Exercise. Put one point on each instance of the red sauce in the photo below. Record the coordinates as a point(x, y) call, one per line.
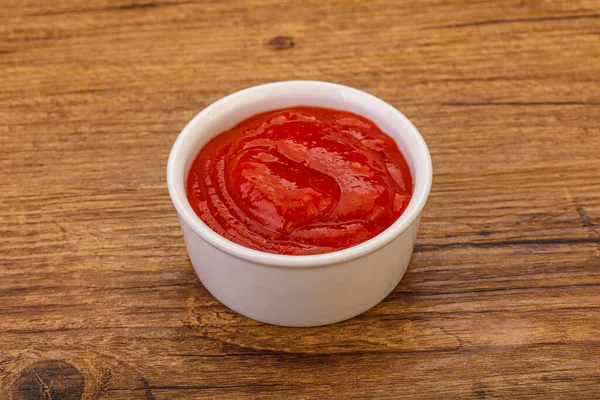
point(301, 180)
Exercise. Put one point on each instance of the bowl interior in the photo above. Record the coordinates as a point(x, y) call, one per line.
point(227, 112)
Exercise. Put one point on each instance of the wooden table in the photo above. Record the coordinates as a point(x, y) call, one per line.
point(98, 298)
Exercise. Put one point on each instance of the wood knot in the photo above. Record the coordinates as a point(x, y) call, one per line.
point(281, 43)
point(49, 379)
point(479, 391)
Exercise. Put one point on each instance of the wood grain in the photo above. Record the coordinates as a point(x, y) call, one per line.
point(98, 299)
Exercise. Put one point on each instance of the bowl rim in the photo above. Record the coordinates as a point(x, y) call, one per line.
point(176, 185)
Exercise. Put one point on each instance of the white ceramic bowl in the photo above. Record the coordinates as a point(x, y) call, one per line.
point(299, 290)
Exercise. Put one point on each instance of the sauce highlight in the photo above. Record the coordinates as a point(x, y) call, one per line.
point(299, 181)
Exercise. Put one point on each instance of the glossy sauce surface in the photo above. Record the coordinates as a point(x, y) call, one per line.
point(301, 180)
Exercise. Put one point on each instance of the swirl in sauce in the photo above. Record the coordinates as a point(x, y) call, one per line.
point(301, 180)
